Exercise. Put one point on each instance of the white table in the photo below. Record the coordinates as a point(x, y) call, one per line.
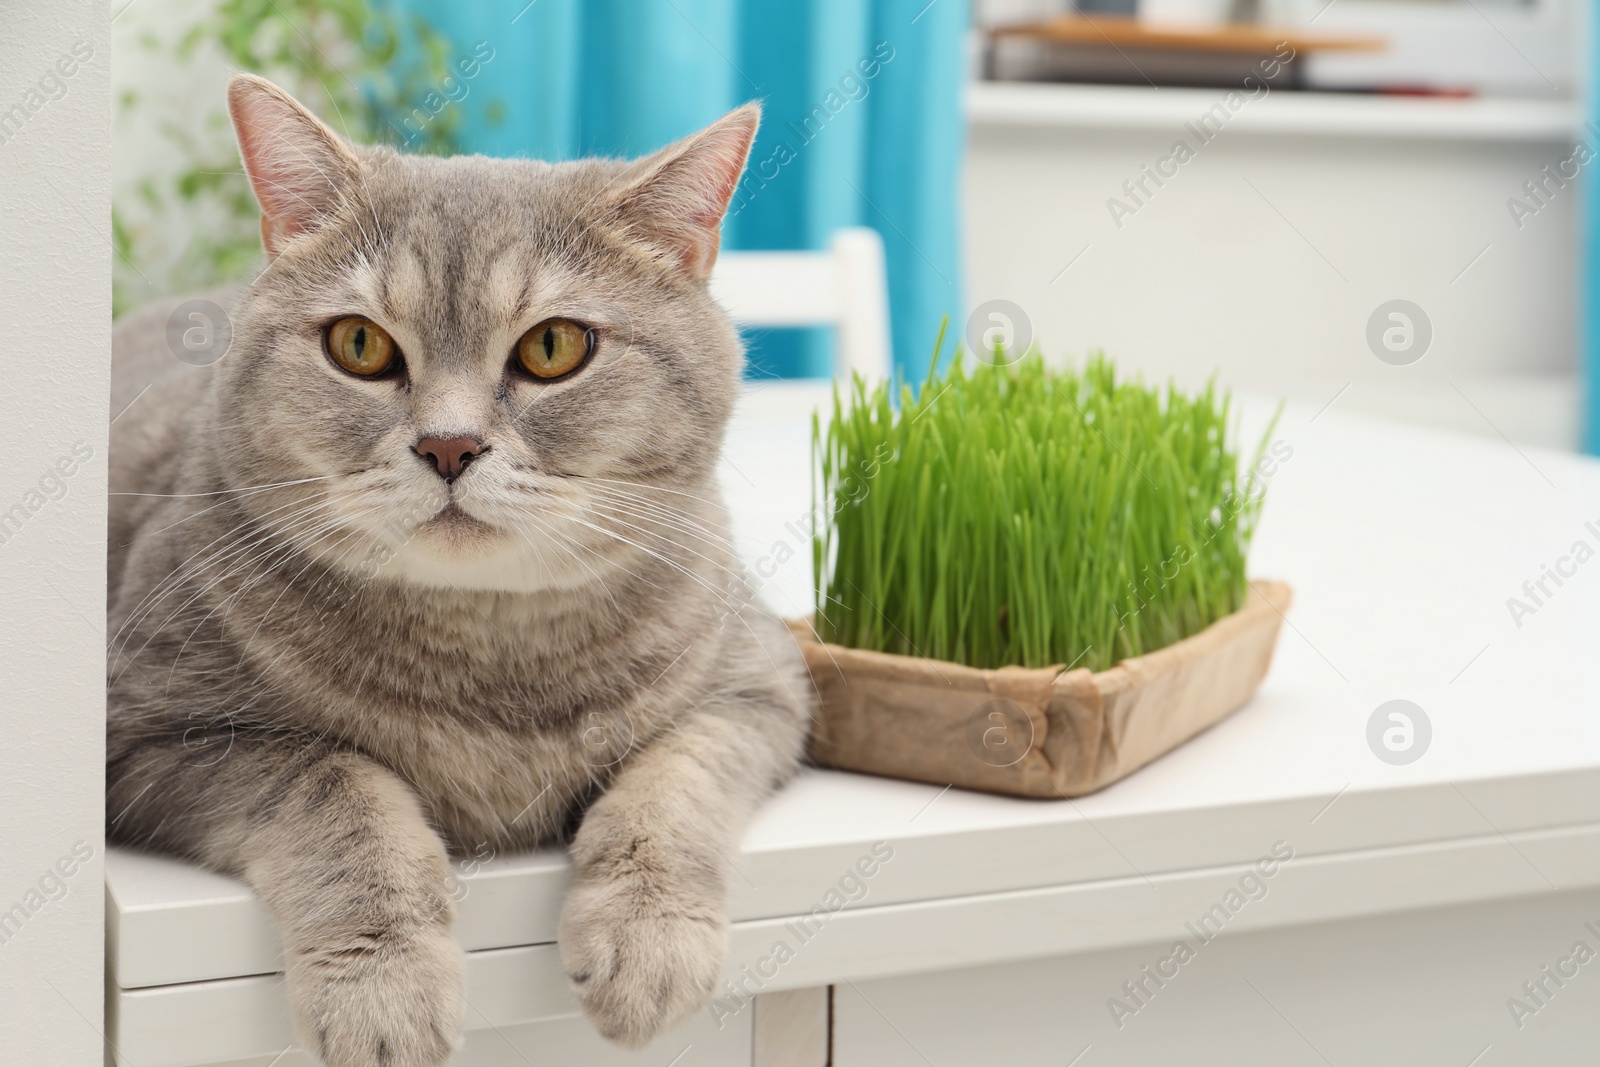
point(1419, 898)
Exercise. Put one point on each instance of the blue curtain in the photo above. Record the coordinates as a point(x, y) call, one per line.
point(862, 122)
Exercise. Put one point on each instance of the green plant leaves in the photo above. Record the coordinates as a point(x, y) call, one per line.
point(1016, 514)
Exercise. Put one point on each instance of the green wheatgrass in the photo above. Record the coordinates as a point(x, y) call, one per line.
point(1020, 514)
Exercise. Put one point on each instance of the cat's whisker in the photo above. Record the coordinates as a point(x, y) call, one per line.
point(198, 559)
point(264, 565)
point(722, 595)
point(263, 517)
point(677, 517)
point(230, 495)
point(286, 587)
point(593, 506)
point(579, 548)
point(221, 503)
point(572, 546)
point(638, 506)
point(247, 489)
point(656, 489)
point(706, 536)
point(642, 531)
point(131, 658)
point(241, 554)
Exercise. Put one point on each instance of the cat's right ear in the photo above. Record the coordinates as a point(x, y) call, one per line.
point(301, 171)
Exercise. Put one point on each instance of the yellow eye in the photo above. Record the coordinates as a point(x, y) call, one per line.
point(554, 347)
point(361, 346)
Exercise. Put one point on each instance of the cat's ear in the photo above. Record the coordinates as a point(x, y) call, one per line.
point(301, 170)
point(676, 201)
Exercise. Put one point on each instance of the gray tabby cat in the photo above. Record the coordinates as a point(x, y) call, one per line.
point(433, 559)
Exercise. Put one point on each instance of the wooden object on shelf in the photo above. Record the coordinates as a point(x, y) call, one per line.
point(1116, 49)
point(1239, 39)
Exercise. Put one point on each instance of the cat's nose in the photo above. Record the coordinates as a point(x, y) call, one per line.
point(449, 455)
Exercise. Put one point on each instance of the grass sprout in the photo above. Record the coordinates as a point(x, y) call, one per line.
point(1013, 513)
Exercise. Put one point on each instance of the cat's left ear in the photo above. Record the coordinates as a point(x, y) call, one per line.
point(677, 200)
point(301, 171)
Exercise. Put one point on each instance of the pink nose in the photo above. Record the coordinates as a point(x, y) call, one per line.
point(450, 455)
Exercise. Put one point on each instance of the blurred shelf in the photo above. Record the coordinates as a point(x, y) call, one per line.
point(1115, 107)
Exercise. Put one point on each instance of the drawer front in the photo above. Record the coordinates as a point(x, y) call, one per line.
point(517, 1001)
point(1422, 987)
point(569, 1040)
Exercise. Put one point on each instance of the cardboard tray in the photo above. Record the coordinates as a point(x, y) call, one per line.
point(1040, 732)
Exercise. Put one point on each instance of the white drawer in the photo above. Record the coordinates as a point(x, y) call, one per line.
point(571, 1040)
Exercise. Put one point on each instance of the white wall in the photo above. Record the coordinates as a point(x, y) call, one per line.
point(1264, 257)
point(55, 346)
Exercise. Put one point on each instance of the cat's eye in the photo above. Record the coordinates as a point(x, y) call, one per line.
point(361, 346)
point(554, 347)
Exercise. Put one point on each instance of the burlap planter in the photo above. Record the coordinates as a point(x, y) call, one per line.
point(1035, 732)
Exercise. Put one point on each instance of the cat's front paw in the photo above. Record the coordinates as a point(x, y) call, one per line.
point(639, 959)
point(380, 1005)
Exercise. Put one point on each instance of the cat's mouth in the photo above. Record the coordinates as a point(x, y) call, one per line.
point(451, 519)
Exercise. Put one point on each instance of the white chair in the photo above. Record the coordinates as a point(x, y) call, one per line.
point(844, 287)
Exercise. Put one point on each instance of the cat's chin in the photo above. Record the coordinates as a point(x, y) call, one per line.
point(506, 573)
point(457, 550)
point(456, 536)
